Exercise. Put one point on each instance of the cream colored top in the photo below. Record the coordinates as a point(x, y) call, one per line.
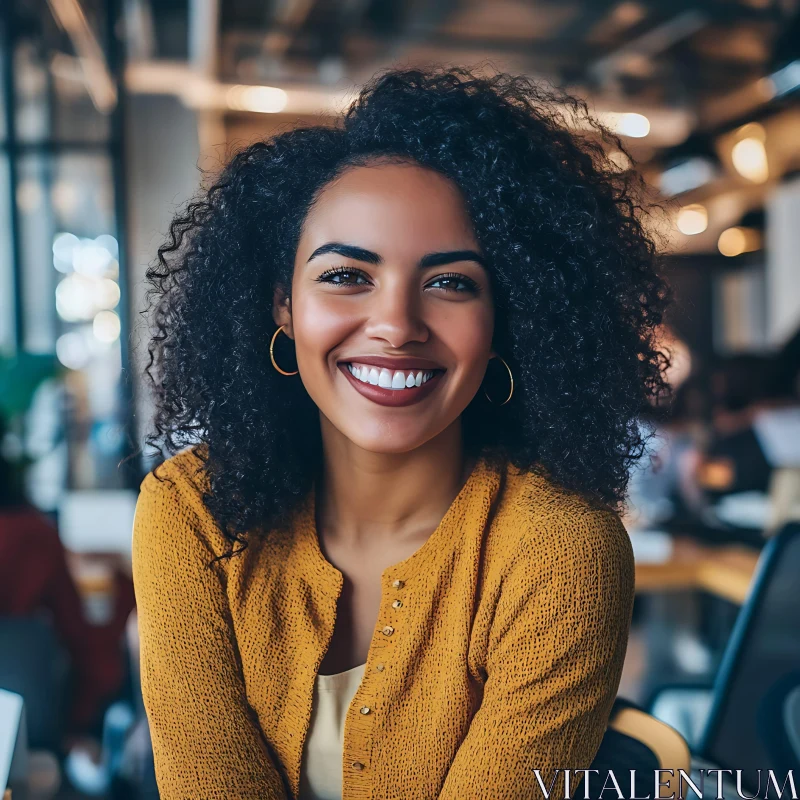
point(321, 774)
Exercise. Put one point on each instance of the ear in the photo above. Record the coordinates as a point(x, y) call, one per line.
point(282, 310)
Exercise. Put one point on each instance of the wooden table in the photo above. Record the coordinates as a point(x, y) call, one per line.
point(725, 571)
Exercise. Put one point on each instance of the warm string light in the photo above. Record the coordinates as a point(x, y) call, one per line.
point(635, 126)
point(749, 155)
point(259, 99)
point(692, 219)
point(735, 241)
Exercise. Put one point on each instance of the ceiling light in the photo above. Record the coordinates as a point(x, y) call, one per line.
point(735, 241)
point(261, 99)
point(749, 156)
point(750, 159)
point(636, 126)
point(692, 219)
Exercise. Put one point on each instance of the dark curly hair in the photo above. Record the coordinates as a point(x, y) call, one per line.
point(573, 272)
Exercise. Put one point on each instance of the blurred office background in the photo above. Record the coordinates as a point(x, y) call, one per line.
point(113, 112)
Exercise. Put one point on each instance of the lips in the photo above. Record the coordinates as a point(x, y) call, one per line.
point(392, 382)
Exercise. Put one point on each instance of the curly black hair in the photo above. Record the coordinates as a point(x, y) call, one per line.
point(574, 275)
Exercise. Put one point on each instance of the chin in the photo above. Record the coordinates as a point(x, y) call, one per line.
point(387, 445)
point(384, 437)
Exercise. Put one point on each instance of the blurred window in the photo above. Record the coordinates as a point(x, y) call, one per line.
point(59, 251)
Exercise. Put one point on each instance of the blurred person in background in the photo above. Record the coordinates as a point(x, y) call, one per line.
point(425, 510)
point(35, 579)
point(734, 460)
point(754, 452)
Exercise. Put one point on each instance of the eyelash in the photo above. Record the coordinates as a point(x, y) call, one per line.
point(326, 276)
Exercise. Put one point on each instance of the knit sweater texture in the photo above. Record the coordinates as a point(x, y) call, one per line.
point(504, 656)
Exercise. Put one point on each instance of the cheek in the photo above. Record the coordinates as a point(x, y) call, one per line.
point(320, 323)
point(467, 334)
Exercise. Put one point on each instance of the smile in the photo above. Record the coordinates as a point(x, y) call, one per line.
point(387, 379)
point(390, 387)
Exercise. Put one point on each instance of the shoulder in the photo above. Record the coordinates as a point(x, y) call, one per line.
point(552, 531)
point(178, 479)
point(170, 510)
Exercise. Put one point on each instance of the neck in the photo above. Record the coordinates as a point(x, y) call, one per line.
point(364, 496)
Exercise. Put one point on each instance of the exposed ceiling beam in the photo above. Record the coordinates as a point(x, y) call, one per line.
point(97, 77)
point(590, 14)
point(668, 127)
point(655, 41)
point(284, 27)
point(549, 47)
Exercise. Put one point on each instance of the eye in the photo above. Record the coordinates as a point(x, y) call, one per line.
point(454, 282)
point(343, 276)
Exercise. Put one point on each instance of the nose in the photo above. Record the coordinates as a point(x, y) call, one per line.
point(396, 316)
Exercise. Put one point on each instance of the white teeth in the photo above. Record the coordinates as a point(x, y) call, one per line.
point(389, 380)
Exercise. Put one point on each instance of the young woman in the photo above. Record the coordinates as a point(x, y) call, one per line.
point(408, 351)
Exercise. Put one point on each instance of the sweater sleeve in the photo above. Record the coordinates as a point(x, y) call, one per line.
point(206, 743)
point(554, 661)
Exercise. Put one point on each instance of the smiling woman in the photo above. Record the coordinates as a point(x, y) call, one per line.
point(407, 354)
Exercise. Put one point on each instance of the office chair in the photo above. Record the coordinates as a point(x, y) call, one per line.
point(635, 740)
point(779, 722)
point(764, 648)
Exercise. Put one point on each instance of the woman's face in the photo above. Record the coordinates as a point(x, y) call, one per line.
point(391, 308)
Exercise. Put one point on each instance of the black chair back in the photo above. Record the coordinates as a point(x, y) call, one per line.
point(635, 740)
point(763, 649)
point(779, 722)
point(620, 753)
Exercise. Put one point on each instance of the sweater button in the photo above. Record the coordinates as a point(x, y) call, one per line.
point(397, 604)
point(398, 584)
point(388, 630)
point(357, 765)
point(365, 709)
point(379, 667)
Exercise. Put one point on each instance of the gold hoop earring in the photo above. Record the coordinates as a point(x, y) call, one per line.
point(511, 389)
point(272, 353)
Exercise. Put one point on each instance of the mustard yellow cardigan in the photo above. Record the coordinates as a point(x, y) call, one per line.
point(502, 656)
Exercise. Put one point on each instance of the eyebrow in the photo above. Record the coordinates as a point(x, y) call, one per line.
point(369, 257)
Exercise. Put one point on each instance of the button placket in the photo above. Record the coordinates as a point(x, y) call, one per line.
point(366, 712)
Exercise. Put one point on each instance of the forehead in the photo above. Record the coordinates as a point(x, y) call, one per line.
point(399, 207)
